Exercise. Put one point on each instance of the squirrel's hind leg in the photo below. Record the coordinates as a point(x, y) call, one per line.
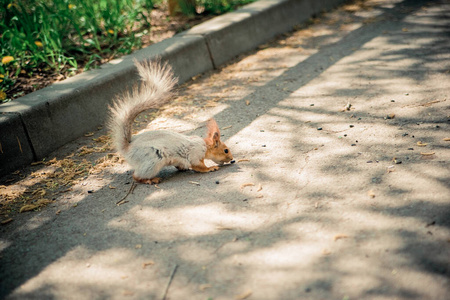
point(147, 172)
point(154, 180)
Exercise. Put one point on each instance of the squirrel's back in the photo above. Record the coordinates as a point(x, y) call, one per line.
point(154, 91)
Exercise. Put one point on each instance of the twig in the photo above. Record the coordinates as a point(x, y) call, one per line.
point(170, 281)
point(121, 201)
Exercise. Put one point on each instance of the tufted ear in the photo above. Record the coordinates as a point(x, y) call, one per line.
point(213, 134)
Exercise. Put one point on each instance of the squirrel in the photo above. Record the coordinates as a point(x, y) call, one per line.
point(148, 152)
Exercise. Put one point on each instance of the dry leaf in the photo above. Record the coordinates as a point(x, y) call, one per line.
point(420, 144)
point(247, 184)
point(426, 153)
point(244, 159)
point(259, 188)
point(89, 134)
point(371, 194)
point(339, 237)
point(227, 127)
point(194, 182)
point(149, 263)
point(138, 246)
point(4, 222)
point(446, 139)
point(247, 102)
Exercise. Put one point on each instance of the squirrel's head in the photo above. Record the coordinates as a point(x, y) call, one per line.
point(216, 151)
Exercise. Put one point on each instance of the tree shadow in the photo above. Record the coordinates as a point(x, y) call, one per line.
point(314, 233)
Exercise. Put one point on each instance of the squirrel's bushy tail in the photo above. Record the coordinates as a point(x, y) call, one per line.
point(154, 91)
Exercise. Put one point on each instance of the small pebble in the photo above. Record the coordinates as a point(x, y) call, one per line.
point(263, 146)
point(353, 144)
point(410, 148)
point(392, 100)
point(351, 126)
point(320, 128)
point(405, 134)
point(217, 182)
point(345, 135)
point(90, 191)
point(311, 105)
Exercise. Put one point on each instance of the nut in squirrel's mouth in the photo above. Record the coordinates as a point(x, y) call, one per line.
point(227, 162)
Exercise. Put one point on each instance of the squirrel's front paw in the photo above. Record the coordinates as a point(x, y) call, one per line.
point(214, 168)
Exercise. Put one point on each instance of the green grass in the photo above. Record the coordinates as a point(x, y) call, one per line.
point(59, 36)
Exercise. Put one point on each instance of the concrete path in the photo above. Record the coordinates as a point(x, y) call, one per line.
point(341, 190)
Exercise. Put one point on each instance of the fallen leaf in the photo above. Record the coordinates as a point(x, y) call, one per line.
point(339, 237)
point(89, 134)
point(146, 264)
point(194, 182)
point(371, 194)
point(4, 222)
point(426, 153)
point(247, 103)
point(112, 187)
point(259, 188)
point(247, 184)
point(390, 116)
point(244, 159)
point(420, 144)
point(227, 127)
point(138, 246)
point(446, 139)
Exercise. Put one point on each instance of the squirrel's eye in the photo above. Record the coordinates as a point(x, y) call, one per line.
point(226, 150)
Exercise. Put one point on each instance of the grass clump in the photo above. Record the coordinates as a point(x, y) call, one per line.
point(56, 35)
point(42, 41)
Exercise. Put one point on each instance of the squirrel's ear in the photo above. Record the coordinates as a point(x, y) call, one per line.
point(213, 131)
point(216, 139)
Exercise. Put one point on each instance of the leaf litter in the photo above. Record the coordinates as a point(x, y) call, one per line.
point(49, 178)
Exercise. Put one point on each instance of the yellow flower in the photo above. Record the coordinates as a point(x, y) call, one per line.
point(1, 77)
point(111, 31)
point(2, 95)
point(39, 44)
point(7, 59)
point(71, 6)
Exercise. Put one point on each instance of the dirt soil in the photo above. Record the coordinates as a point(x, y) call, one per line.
point(341, 190)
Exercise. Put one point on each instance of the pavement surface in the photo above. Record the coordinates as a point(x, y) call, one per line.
point(341, 189)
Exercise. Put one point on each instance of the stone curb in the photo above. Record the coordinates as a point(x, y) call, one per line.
point(33, 126)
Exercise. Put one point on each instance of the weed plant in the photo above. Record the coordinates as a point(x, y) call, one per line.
point(60, 36)
point(56, 35)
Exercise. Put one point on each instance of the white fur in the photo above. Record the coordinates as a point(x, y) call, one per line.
point(150, 151)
